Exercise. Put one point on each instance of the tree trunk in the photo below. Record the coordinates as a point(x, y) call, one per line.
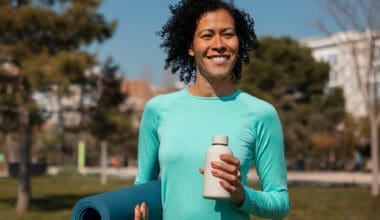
point(103, 162)
point(374, 150)
point(24, 187)
point(61, 129)
point(373, 116)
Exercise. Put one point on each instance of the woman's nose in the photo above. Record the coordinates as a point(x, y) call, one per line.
point(218, 43)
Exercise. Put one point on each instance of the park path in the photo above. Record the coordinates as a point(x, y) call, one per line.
point(315, 177)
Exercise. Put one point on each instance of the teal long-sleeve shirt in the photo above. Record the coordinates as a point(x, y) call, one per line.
point(176, 131)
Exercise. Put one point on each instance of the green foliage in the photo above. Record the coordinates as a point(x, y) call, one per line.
point(8, 116)
point(56, 26)
point(41, 40)
point(285, 74)
point(110, 94)
point(103, 120)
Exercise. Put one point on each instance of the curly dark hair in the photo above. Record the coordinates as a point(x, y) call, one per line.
point(178, 34)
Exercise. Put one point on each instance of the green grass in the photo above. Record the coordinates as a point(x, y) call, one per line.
point(54, 197)
point(349, 203)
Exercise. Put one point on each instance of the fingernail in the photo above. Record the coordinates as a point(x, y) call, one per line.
point(221, 183)
point(215, 172)
point(213, 164)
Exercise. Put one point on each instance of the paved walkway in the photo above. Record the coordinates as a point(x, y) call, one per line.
point(331, 178)
point(317, 177)
point(314, 178)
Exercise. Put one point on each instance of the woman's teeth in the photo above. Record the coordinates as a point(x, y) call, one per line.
point(219, 58)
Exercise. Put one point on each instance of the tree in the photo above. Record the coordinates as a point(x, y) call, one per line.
point(117, 128)
point(42, 39)
point(285, 74)
point(361, 17)
point(105, 121)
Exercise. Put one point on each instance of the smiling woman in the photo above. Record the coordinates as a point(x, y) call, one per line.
point(179, 32)
point(207, 42)
point(215, 49)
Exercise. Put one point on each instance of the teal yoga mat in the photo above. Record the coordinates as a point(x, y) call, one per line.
point(120, 204)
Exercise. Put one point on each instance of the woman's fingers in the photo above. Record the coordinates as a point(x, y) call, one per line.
point(230, 160)
point(236, 191)
point(233, 179)
point(144, 211)
point(231, 164)
point(229, 187)
point(228, 172)
point(141, 212)
point(137, 212)
point(231, 169)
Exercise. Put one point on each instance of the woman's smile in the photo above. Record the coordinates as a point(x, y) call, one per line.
point(219, 59)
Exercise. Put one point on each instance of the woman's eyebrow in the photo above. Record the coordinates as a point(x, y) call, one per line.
point(211, 30)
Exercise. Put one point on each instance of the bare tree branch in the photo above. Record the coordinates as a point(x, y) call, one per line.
point(358, 18)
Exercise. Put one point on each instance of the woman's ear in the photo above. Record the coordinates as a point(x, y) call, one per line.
point(191, 51)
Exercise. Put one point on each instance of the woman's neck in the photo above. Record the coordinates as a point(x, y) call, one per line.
point(212, 88)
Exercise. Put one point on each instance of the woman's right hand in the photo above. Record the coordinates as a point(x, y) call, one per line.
point(141, 211)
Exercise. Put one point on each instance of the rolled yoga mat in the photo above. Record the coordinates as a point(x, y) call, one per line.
point(120, 204)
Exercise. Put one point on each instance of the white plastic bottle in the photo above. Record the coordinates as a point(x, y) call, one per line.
point(211, 184)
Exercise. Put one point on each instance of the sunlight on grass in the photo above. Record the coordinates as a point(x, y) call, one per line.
point(54, 197)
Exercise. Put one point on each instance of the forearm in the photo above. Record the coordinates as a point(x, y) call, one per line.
point(273, 205)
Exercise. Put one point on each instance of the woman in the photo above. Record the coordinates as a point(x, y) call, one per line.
point(207, 42)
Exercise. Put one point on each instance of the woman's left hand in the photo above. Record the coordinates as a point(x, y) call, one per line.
point(141, 211)
point(229, 173)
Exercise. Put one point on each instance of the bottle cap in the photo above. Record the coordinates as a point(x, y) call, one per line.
point(220, 139)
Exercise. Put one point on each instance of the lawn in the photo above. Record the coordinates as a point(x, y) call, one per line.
point(53, 198)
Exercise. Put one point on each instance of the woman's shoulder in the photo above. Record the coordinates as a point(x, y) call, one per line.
point(164, 100)
point(261, 111)
point(256, 104)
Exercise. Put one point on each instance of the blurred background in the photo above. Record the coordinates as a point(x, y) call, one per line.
point(75, 76)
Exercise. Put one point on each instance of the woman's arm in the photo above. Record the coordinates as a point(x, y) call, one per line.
point(273, 201)
point(148, 144)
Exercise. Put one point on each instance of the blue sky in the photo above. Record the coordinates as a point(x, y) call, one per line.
point(135, 46)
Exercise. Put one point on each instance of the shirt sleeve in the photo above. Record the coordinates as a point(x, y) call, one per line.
point(148, 143)
point(273, 201)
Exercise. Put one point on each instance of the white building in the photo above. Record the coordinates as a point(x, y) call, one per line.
point(68, 106)
point(337, 51)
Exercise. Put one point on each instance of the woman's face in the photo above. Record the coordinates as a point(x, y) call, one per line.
point(215, 46)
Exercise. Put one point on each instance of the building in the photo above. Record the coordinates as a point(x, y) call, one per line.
point(67, 107)
point(138, 93)
point(337, 51)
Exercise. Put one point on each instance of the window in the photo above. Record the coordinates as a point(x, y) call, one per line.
point(333, 77)
point(376, 89)
point(332, 59)
point(377, 53)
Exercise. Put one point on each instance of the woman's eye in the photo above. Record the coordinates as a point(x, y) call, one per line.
point(206, 36)
point(229, 35)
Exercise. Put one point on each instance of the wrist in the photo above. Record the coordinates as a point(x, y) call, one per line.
point(239, 201)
